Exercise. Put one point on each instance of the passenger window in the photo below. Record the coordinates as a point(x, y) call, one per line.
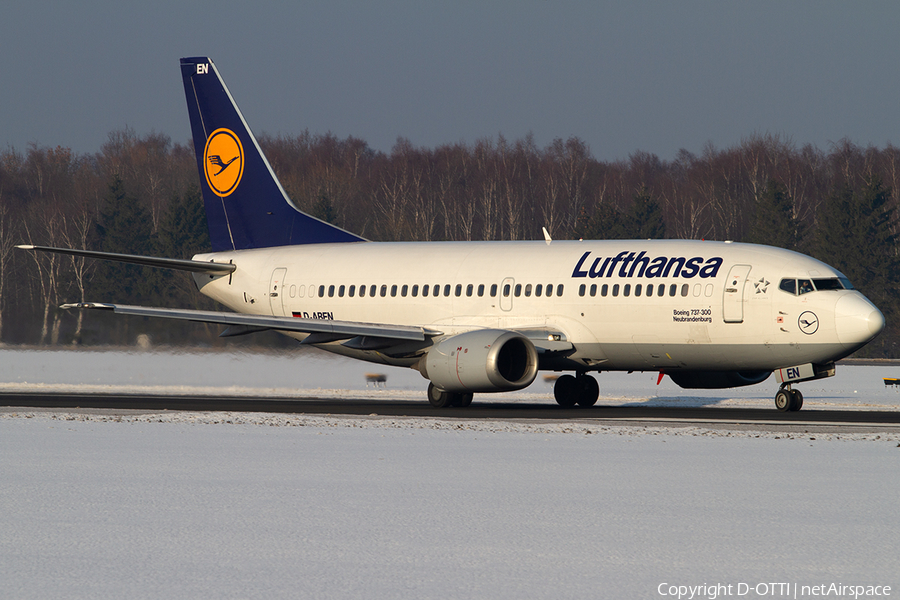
point(593, 290)
point(480, 290)
point(506, 291)
point(805, 286)
point(351, 291)
point(661, 290)
point(559, 290)
point(649, 289)
point(684, 290)
point(362, 291)
point(528, 290)
point(518, 290)
point(493, 290)
point(383, 290)
point(446, 289)
point(789, 286)
point(672, 289)
point(415, 291)
point(538, 289)
point(581, 289)
point(341, 292)
point(637, 290)
point(469, 289)
point(626, 290)
point(372, 290)
point(549, 289)
point(615, 290)
point(458, 290)
point(404, 290)
point(321, 291)
point(604, 290)
point(331, 291)
point(394, 291)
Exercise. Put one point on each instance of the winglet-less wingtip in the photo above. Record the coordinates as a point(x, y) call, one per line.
point(88, 305)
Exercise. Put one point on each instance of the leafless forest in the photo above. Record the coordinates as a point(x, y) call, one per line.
point(138, 194)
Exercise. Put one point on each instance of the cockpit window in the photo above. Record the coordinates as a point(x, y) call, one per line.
point(828, 284)
point(805, 286)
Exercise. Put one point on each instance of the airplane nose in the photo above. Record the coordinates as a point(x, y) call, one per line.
point(856, 319)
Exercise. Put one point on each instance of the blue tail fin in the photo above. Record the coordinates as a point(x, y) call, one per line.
point(246, 207)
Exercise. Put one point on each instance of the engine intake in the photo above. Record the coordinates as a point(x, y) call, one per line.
point(486, 360)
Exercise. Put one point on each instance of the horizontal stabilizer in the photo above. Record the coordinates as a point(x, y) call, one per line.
point(337, 329)
point(194, 266)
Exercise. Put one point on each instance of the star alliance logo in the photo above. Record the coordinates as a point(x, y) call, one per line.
point(761, 286)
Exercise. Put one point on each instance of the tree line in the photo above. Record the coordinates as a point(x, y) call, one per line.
point(139, 195)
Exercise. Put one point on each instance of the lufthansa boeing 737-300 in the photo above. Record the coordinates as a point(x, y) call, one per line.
point(487, 316)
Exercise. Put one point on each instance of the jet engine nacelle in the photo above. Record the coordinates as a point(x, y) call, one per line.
point(709, 380)
point(486, 360)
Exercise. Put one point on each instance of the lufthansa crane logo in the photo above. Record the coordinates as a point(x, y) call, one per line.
point(223, 161)
point(808, 322)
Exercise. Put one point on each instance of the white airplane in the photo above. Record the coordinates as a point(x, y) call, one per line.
point(487, 316)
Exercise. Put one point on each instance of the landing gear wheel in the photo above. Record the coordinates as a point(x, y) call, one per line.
point(796, 400)
point(589, 390)
point(566, 390)
point(783, 400)
point(462, 400)
point(439, 398)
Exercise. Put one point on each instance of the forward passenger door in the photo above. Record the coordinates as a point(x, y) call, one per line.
point(733, 299)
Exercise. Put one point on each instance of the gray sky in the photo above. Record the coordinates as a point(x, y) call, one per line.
point(624, 76)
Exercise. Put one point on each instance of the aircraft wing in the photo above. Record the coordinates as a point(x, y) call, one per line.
point(360, 335)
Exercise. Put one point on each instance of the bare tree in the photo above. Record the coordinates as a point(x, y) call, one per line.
point(6, 248)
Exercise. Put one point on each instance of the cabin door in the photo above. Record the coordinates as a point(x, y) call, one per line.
point(506, 293)
point(276, 292)
point(733, 300)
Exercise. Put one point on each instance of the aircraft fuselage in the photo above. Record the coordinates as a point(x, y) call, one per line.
point(623, 305)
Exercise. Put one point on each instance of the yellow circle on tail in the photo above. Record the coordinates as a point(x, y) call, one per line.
point(223, 161)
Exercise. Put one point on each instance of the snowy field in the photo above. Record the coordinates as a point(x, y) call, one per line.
point(188, 505)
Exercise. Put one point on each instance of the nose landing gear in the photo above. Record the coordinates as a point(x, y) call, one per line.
point(788, 400)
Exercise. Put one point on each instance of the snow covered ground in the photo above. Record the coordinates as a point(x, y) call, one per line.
point(275, 506)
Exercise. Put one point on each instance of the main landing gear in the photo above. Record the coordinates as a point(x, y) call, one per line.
point(788, 400)
point(441, 399)
point(582, 390)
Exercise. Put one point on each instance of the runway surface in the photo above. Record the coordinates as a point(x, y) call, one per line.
point(857, 420)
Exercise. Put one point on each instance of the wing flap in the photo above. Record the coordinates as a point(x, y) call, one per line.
point(330, 330)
